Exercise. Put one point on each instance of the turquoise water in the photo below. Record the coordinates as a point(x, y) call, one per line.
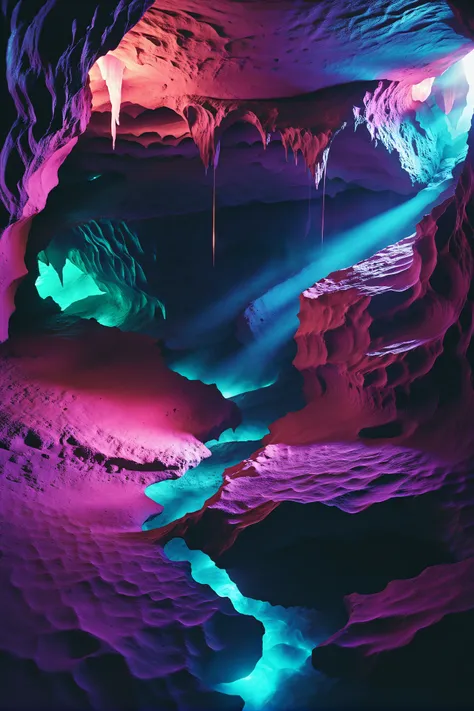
point(290, 633)
point(284, 669)
point(190, 492)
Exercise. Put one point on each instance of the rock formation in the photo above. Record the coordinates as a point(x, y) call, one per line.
point(236, 354)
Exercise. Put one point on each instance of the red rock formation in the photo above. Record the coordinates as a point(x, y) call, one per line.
point(384, 348)
point(95, 615)
point(176, 56)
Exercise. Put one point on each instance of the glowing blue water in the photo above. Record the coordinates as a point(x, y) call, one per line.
point(290, 633)
point(190, 492)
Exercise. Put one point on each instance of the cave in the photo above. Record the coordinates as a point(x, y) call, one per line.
point(236, 355)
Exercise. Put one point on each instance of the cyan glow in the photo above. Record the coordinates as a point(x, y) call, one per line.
point(190, 492)
point(75, 285)
point(255, 364)
point(468, 64)
point(290, 633)
point(184, 495)
point(109, 255)
point(230, 386)
point(240, 389)
point(430, 155)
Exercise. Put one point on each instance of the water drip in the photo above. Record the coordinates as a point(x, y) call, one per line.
point(308, 222)
point(323, 207)
point(216, 161)
point(214, 217)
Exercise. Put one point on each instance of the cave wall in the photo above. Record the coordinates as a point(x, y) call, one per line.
point(47, 105)
point(98, 616)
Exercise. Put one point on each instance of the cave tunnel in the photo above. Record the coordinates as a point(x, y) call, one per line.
point(236, 360)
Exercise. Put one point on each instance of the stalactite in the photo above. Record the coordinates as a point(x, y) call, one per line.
point(304, 141)
point(111, 70)
point(321, 173)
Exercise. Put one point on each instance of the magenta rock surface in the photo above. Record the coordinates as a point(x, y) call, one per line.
point(407, 606)
point(92, 608)
point(176, 180)
point(97, 618)
point(389, 635)
point(112, 393)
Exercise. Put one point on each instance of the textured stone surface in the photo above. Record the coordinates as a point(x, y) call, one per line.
point(113, 395)
point(94, 615)
point(390, 633)
point(384, 348)
point(238, 51)
point(101, 619)
point(47, 105)
point(175, 56)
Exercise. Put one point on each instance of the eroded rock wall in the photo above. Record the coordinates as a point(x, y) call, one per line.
point(50, 49)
